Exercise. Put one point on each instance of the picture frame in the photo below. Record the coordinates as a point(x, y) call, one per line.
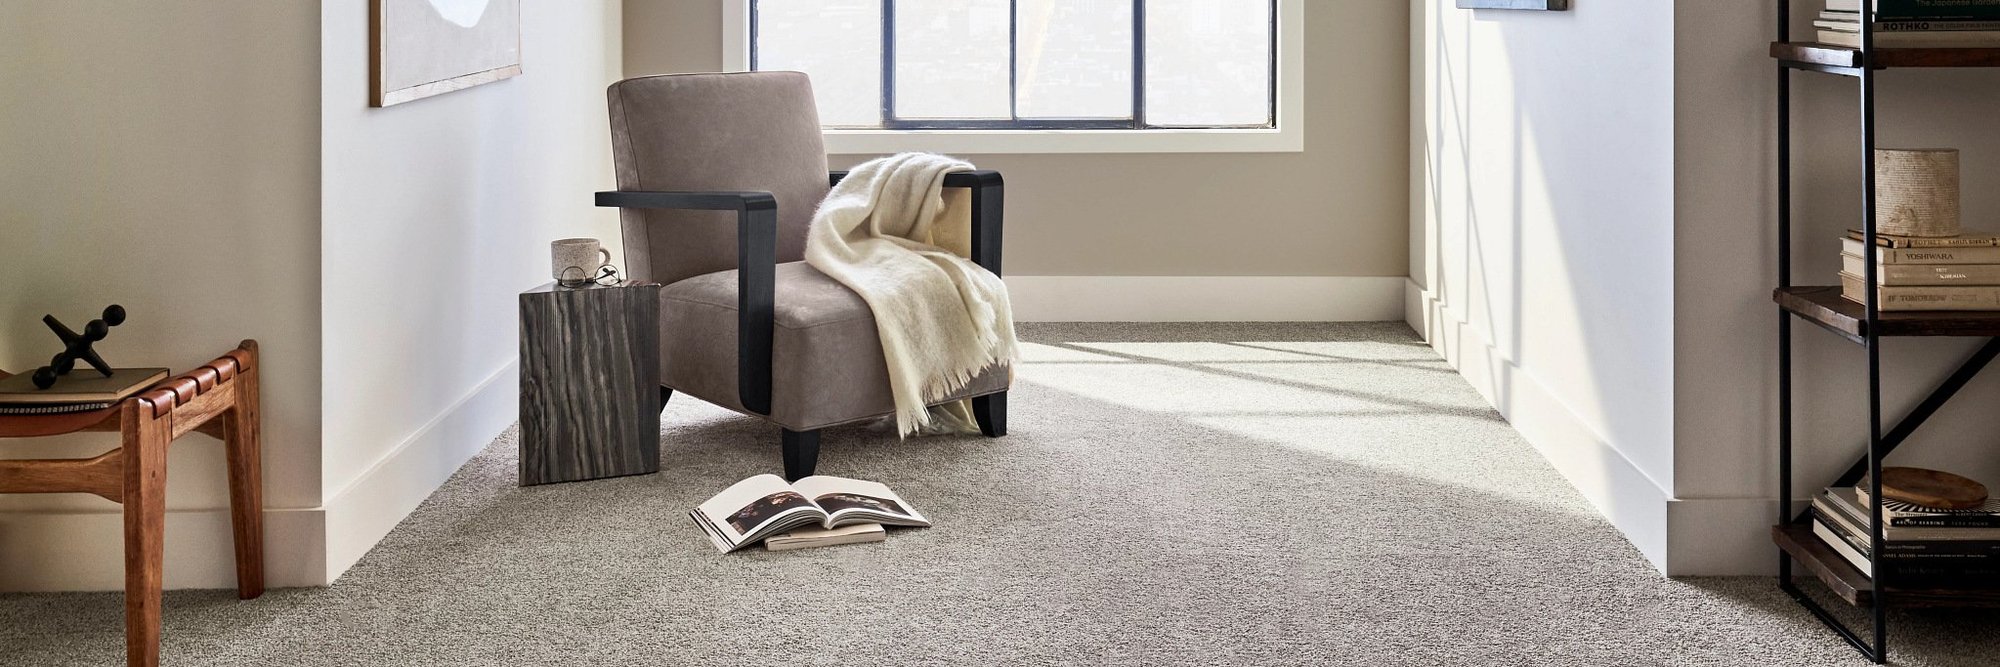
point(1536, 5)
point(424, 48)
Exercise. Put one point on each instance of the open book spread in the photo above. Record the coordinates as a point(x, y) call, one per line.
point(765, 505)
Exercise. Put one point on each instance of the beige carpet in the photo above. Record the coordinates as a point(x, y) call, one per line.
point(1170, 495)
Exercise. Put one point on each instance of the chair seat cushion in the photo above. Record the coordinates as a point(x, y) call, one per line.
point(826, 360)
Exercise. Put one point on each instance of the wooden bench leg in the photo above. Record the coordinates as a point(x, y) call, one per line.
point(244, 441)
point(145, 450)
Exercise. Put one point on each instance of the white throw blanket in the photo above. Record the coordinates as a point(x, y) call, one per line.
point(884, 232)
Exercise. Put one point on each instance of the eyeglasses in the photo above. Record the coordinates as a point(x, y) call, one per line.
point(607, 276)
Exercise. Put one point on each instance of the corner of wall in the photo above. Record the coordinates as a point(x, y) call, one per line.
point(1723, 320)
point(1633, 502)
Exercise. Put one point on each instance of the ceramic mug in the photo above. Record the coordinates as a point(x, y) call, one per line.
point(578, 259)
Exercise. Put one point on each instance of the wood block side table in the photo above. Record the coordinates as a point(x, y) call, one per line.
point(590, 382)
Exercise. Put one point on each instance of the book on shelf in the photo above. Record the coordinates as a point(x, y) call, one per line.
point(760, 507)
point(1913, 556)
point(809, 537)
point(1923, 274)
point(80, 390)
point(1891, 298)
point(1900, 513)
point(1984, 551)
point(1845, 22)
point(1849, 506)
point(1968, 239)
point(1917, 10)
point(1910, 572)
point(1855, 546)
point(1936, 256)
point(1971, 39)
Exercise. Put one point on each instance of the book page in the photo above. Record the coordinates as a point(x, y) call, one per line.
point(848, 501)
point(754, 508)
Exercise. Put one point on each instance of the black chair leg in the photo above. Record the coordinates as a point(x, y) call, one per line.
point(991, 413)
point(801, 453)
point(666, 394)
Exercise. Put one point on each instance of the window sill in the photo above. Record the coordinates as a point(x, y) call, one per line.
point(987, 142)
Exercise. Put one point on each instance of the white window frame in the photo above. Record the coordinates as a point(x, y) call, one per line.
point(1288, 137)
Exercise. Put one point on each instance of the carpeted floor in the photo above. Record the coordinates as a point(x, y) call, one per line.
point(1170, 495)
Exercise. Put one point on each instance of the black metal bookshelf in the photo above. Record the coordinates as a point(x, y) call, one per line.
point(1865, 325)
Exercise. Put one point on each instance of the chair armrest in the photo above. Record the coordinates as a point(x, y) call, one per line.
point(688, 201)
point(989, 192)
point(756, 276)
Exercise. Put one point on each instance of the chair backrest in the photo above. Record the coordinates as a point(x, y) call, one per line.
point(755, 131)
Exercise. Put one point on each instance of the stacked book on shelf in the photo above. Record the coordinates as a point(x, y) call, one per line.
point(1925, 273)
point(1903, 24)
point(1922, 548)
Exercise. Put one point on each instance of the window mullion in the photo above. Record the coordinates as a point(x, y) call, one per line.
point(1014, 60)
point(888, 63)
point(1274, 64)
point(1138, 64)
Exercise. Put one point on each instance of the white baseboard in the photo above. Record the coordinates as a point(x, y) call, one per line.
point(361, 514)
point(82, 551)
point(1206, 298)
point(1721, 537)
point(1632, 501)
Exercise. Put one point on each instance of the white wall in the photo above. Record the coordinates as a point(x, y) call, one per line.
point(163, 156)
point(1543, 241)
point(435, 214)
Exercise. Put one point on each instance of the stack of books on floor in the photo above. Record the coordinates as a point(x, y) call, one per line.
point(1922, 548)
point(1908, 24)
point(1924, 273)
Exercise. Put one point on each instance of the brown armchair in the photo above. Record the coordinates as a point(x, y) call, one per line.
point(718, 178)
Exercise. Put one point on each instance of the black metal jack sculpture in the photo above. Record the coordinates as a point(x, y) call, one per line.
point(77, 346)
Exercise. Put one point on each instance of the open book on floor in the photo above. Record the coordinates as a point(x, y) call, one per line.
point(763, 506)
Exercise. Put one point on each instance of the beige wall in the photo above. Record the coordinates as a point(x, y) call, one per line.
point(1338, 209)
point(215, 168)
point(163, 156)
point(1725, 325)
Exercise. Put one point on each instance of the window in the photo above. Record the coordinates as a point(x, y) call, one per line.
point(1008, 69)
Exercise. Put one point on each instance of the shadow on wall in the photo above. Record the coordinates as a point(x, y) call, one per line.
point(1550, 180)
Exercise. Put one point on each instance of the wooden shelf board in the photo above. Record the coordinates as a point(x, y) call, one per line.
point(1846, 582)
point(1854, 587)
point(1825, 306)
point(1828, 55)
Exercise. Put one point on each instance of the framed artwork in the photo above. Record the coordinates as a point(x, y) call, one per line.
point(420, 48)
point(1542, 5)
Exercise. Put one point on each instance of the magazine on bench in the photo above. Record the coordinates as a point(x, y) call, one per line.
point(765, 505)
